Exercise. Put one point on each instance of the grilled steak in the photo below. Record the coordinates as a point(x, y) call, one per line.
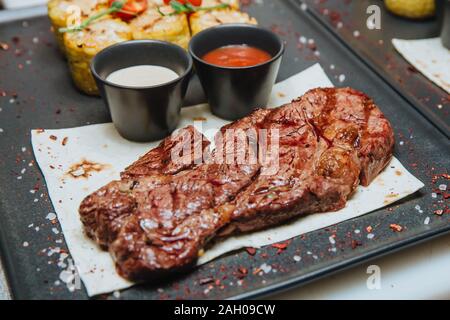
point(103, 212)
point(157, 219)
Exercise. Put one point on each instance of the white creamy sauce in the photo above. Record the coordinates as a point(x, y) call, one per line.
point(142, 76)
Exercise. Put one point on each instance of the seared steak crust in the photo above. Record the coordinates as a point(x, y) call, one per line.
point(160, 215)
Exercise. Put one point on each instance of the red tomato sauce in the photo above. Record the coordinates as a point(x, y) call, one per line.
point(237, 56)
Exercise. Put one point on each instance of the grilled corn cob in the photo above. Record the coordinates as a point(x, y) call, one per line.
point(158, 24)
point(205, 19)
point(82, 46)
point(61, 12)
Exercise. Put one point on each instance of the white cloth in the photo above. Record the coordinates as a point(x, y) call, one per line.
point(102, 144)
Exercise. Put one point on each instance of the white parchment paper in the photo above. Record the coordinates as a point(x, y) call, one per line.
point(59, 151)
point(429, 56)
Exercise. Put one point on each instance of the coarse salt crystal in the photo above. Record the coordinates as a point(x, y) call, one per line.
point(332, 241)
point(297, 258)
point(357, 231)
point(370, 236)
point(443, 187)
point(342, 78)
point(304, 6)
point(427, 220)
point(23, 171)
point(356, 33)
point(52, 251)
point(266, 268)
point(51, 216)
point(303, 39)
point(25, 244)
point(434, 195)
point(339, 25)
point(24, 149)
point(116, 294)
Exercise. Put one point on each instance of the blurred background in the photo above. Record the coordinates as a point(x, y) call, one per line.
point(15, 4)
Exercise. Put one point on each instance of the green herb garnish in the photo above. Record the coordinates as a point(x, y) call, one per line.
point(179, 8)
point(116, 6)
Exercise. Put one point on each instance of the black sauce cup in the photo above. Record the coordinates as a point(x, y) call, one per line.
point(232, 92)
point(143, 114)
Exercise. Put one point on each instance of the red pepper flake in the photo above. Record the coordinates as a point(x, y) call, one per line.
point(251, 251)
point(277, 29)
point(280, 246)
point(53, 137)
point(4, 46)
point(412, 69)
point(242, 272)
point(439, 212)
point(64, 141)
point(369, 229)
point(312, 46)
point(446, 176)
point(356, 244)
point(396, 227)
